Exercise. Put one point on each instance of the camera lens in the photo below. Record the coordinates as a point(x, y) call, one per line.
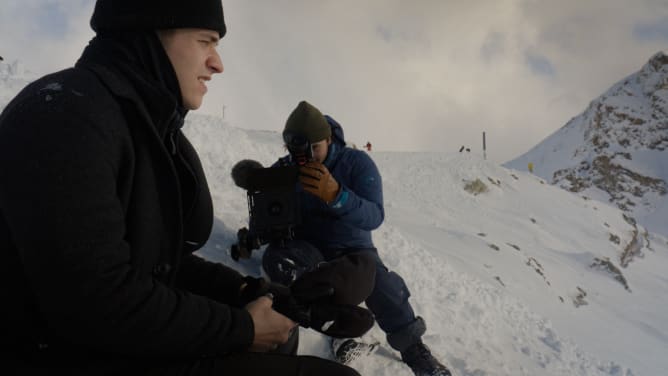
point(275, 208)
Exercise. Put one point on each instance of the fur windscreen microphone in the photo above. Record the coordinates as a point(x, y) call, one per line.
point(241, 172)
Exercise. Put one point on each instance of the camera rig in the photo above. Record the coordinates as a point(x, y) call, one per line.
point(273, 208)
point(273, 204)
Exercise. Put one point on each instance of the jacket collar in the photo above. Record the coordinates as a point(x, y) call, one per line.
point(135, 67)
point(338, 143)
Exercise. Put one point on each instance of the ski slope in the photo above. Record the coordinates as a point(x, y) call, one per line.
point(504, 278)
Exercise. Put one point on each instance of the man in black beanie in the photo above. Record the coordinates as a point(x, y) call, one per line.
point(102, 203)
point(341, 202)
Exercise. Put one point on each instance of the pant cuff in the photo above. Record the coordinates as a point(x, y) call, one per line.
point(408, 335)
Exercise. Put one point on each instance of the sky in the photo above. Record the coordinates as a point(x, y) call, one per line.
point(427, 75)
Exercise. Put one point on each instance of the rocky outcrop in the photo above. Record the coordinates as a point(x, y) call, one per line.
point(618, 147)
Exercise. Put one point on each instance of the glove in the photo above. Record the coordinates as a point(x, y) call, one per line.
point(324, 299)
point(316, 179)
point(295, 307)
point(341, 320)
point(315, 308)
point(331, 292)
point(351, 277)
point(254, 288)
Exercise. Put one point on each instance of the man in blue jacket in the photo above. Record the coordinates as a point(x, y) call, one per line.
point(341, 198)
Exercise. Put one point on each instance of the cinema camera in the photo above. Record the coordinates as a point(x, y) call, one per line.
point(273, 204)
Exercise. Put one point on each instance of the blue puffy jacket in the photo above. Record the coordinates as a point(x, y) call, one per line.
point(357, 210)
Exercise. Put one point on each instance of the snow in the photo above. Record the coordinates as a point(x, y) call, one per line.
point(628, 124)
point(497, 275)
point(13, 77)
point(509, 311)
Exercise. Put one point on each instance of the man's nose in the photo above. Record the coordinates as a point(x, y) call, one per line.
point(215, 64)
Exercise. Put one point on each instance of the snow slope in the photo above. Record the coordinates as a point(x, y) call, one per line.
point(504, 278)
point(617, 149)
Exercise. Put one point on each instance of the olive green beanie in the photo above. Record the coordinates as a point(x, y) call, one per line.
point(309, 122)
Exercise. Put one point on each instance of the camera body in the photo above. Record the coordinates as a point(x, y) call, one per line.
point(273, 203)
point(273, 208)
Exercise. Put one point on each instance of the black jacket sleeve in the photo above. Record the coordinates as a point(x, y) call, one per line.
point(210, 279)
point(58, 195)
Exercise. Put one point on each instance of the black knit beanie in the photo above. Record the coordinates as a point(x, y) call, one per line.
point(309, 122)
point(141, 15)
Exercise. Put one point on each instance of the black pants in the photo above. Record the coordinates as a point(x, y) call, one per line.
point(278, 363)
point(252, 364)
point(246, 364)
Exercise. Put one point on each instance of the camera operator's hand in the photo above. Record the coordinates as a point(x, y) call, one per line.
point(316, 179)
point(271, 328)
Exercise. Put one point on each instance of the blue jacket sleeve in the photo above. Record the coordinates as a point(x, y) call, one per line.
point(360, 201)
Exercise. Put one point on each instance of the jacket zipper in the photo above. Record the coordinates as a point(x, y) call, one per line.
point(173, 124)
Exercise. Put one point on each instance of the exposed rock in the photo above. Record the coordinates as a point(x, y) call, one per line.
point(607, 266)
point(579, 299)
point(514, 246)
point(617, 147)
point(475, 187)
point(632, 250)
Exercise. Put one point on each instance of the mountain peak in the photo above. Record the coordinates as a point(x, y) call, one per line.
point(615, 150)
point(654, 74)
point(659, 60)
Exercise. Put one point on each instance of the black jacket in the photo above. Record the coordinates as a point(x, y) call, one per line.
point(102, 202)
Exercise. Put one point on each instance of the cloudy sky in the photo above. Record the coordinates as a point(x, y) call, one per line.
point(407, 75)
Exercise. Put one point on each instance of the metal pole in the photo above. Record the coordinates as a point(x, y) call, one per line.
point(484, 146)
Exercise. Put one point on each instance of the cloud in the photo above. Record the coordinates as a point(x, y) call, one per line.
point(50, 21)
point(652, 31)
point(46, 35)
point(540, 65)
point(425, 75)
point(433, 74)
point(493, 46)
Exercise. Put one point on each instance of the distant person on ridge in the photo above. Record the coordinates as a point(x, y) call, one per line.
point(342, 202)
point(103, 201)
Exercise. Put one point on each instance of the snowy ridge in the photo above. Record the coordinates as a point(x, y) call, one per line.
point(522, 279)
point(616, 150)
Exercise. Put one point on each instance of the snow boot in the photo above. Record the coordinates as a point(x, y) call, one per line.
point(419, 359)
point(348, 350)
